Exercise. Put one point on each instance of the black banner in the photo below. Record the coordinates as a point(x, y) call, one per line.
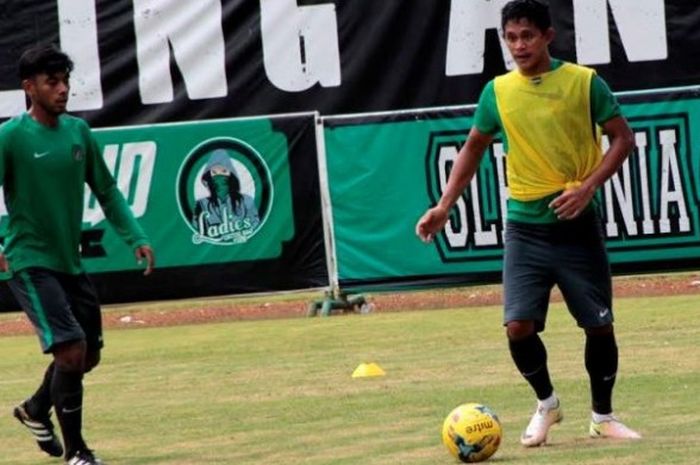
point(144, 62)
point(159, 61)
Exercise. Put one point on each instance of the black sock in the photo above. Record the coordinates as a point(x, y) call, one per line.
point(601, 363)
point(530, 357)
point(39, 404)
point(67, 396)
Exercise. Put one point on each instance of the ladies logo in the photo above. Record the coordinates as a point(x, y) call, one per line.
point(224, 190)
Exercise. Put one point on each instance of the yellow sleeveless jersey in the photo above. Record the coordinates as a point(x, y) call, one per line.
point(552, 141)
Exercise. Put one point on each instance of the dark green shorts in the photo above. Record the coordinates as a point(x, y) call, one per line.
point(62, 307)
point(569, 254)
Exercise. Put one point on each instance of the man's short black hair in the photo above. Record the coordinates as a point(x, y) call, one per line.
point(535, 11)
point(43, 59)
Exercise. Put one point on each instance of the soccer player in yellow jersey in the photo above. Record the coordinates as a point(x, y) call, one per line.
point(550, 115)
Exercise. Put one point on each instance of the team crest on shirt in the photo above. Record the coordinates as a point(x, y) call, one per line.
point(78, 152)
point(224, 191)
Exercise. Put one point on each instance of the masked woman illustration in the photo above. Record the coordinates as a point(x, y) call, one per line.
point(226, 214)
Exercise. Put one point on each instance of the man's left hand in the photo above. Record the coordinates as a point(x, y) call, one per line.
point(572, 202)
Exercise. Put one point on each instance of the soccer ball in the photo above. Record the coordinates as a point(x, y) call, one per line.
point(472, 432)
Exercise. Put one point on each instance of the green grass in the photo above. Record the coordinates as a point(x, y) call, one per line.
point(280, 391)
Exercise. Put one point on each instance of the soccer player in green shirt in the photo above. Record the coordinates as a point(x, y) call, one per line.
point(46, 158)
point(549, 114)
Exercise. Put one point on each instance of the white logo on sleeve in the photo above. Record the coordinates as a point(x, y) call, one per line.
point(603, 313)
point(41, 155)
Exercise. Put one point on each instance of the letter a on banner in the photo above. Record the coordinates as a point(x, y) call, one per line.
point(300, 44)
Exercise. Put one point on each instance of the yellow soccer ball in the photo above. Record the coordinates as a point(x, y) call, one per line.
point(472, 432)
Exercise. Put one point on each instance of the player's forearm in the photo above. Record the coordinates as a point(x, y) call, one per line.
point(621, 146)
point(121, 218)
point(465, 166)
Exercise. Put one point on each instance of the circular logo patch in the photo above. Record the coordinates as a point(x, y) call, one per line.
point(224, 190)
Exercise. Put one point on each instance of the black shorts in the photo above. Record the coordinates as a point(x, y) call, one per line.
point(62, 307)
point(570, 254)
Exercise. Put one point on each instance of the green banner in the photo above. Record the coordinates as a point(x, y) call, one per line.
point(652, 203)
point(205, 192)
point(384, 171)
point(382, 177)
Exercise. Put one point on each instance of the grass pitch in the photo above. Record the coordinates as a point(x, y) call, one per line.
point(280, 391)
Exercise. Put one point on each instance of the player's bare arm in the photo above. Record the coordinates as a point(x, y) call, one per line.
point(462, 173)
point(573, 201)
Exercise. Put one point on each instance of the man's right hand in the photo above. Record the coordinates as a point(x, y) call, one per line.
point(431, 223)
point(4, 264)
